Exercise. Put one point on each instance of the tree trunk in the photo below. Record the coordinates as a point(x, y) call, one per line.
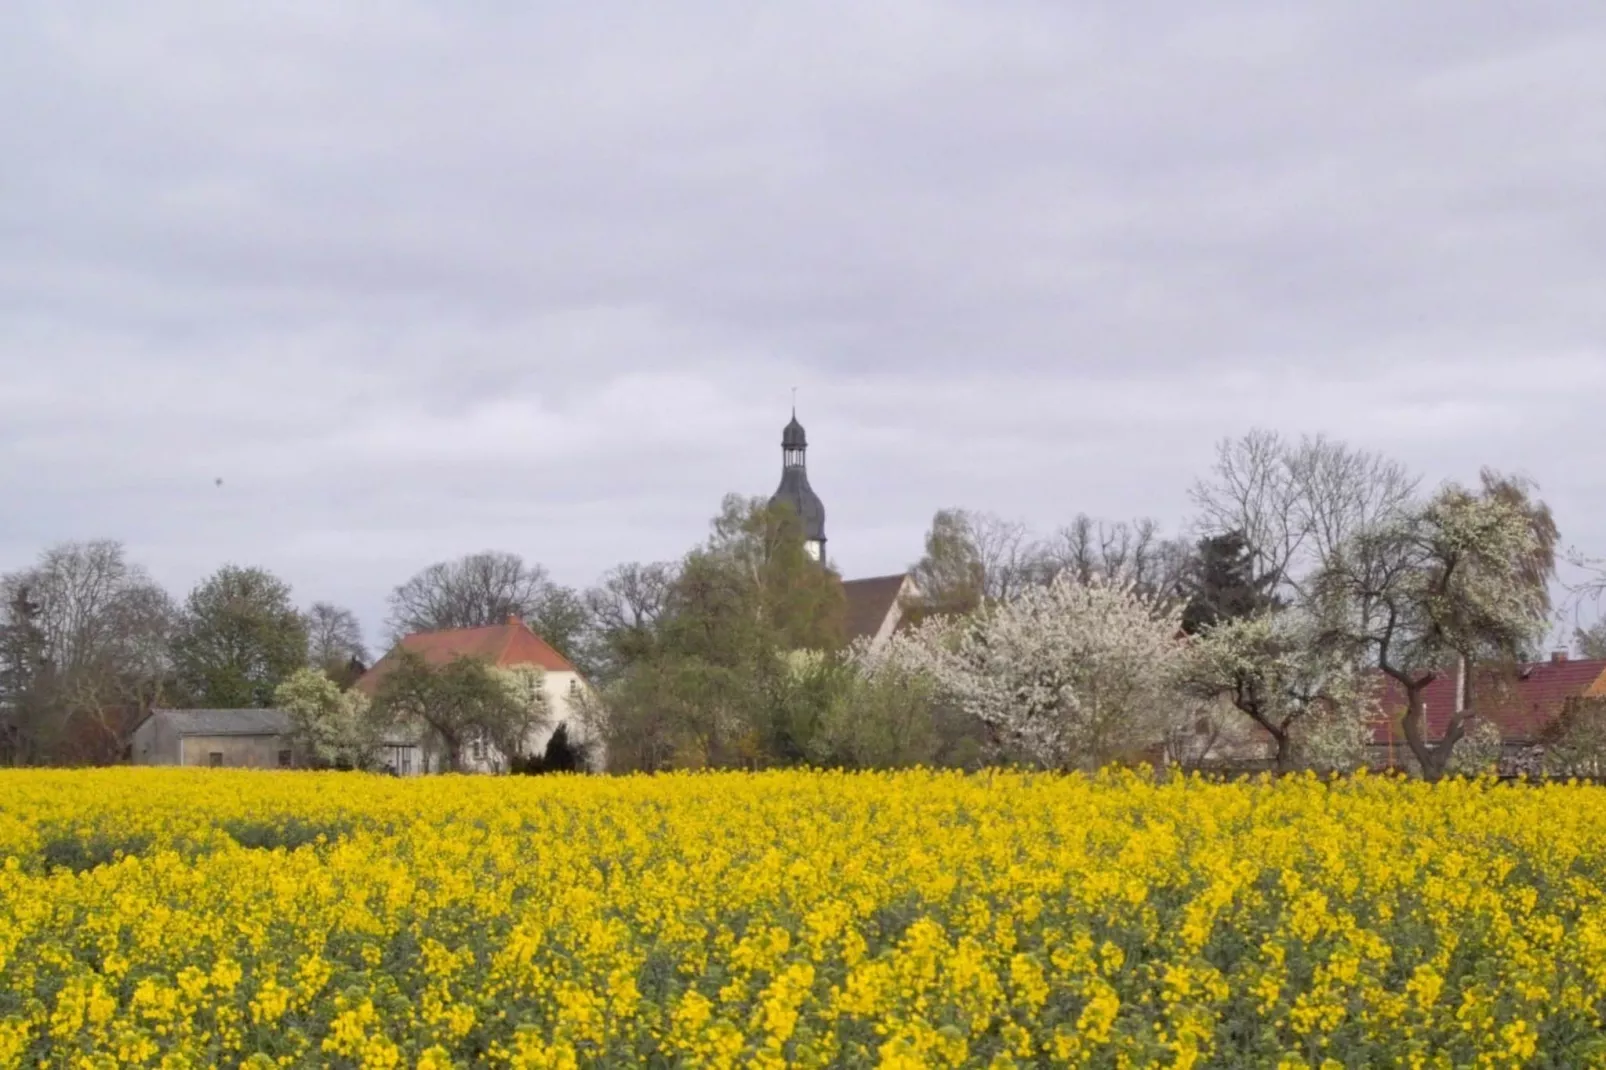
point(1453, 733)
point(454, 755)
point(1284, 747)
point(1428, 759)
point(1278, 732)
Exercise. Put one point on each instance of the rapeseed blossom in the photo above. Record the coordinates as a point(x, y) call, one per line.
point(198, 918)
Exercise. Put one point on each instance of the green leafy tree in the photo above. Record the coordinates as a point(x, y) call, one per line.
point(871, 710)
point(950, 575)
point(706, 689)
point(798, 600)
point(239, 637)
point(329, 726)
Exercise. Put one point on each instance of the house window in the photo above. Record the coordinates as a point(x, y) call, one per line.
point(284, 759)
point(479, 750)
point(215, 759)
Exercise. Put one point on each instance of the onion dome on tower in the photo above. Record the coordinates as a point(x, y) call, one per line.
point(795, 489)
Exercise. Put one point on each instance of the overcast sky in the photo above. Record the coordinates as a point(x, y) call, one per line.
point(416, 280)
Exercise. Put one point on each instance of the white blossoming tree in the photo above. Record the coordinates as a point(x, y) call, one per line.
point(1461, 578)
point(1271, 670)
point(329, 726)
point(1068, 675)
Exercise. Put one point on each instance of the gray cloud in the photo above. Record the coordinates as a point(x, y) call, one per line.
point(426, 279)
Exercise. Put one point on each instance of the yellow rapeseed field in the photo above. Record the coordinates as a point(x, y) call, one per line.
point(201, 918)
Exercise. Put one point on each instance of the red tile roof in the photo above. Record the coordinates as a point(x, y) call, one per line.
point(1520, 707)
point(503, 645)
point(869, 602)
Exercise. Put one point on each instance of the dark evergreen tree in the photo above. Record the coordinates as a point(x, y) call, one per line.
point(562, 755)
point(1222, 585)
point(24, 661)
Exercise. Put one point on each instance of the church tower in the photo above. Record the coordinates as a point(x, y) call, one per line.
point(795, 489)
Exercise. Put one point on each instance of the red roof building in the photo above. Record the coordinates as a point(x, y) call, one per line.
point(502, 645)
point(1519, 703)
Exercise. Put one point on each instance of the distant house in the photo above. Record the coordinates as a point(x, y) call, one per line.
point(876, 606)
point(505, 646)
point(245, 739)
point(1519, 702)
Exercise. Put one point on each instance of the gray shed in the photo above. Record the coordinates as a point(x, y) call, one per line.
point(250, 739)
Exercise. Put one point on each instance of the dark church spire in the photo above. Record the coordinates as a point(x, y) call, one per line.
point(795, 488)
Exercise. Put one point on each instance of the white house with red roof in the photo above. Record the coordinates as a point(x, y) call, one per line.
point(509, 645)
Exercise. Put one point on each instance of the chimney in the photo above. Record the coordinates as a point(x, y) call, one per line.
point(1558, 657)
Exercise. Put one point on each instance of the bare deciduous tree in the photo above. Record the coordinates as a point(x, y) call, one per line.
point(483, 589)
point(105, 627)
point(1010, 557)
point(625, 609)
point(334, 637)
point(1134, 554)
point(1296, 503)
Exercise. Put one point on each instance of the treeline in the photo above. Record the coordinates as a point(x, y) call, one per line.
point(1309, 568)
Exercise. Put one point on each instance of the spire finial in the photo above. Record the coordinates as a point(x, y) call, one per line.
point(794, 403)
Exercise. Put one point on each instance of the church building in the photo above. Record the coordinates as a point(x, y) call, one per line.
point(875, 604)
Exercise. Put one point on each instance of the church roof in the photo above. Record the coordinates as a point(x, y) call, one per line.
point(870, 602)
point(502, 645)
point(795, 489)
point(792, 437)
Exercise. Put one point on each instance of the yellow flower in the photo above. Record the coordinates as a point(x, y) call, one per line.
point(795, 918)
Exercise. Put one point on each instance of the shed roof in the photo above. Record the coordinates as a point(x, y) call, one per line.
point(245, 722)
